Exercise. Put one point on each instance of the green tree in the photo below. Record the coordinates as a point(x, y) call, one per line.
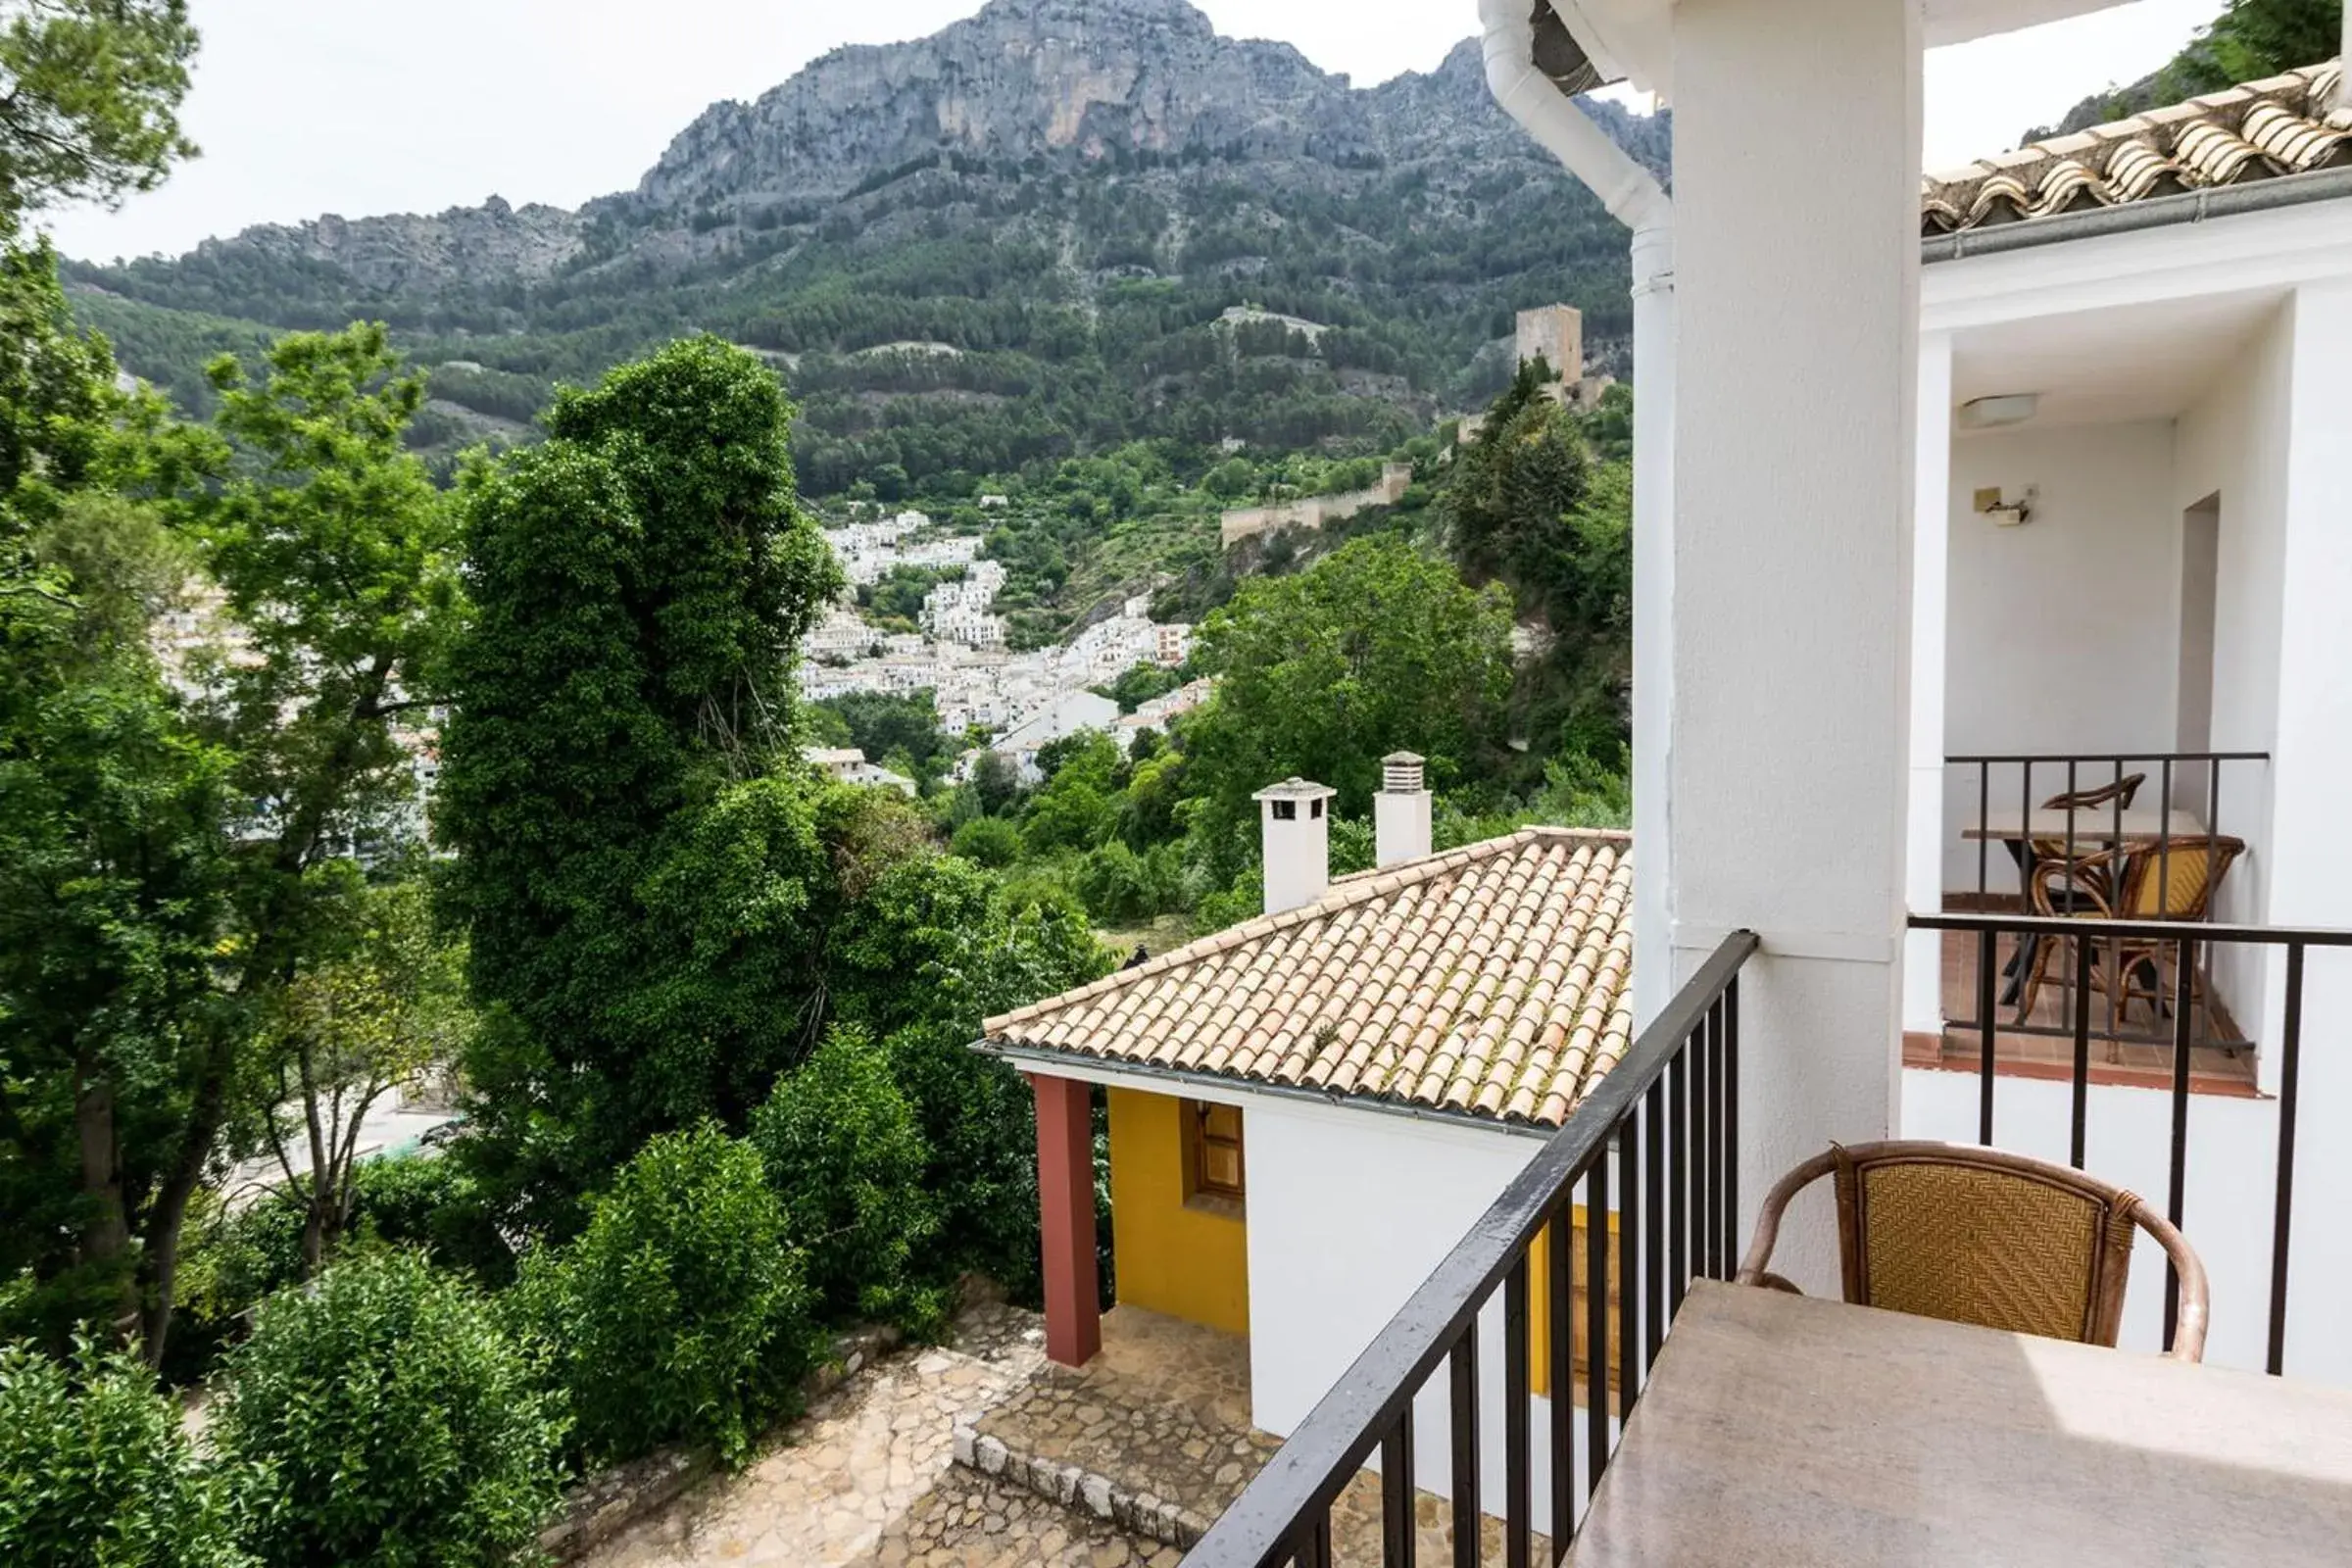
point(2256, 38)
point(380, 1418)
point(99, 1471)
point(976, 1114)
point(1376, 648)
point(115, 884)
point(380, 1008)
point(91, 99)
point(1139, 684)
point(881, 723)
point(841, 1146)
point(988, 841)
point(330, 550)
point(1531, 506)
point(680, 1314)
point(997, 781)
point(641, 580)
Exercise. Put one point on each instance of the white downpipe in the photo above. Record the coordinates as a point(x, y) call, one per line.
point(1629, 191)
point(1634, 198)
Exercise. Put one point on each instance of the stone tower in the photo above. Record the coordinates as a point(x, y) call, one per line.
point(1555, 334)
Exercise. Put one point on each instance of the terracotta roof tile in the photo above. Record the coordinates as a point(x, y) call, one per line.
point(2261, 129)
point(1492, 980)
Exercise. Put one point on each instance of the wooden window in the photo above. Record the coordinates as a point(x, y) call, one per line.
point(1214, 1152)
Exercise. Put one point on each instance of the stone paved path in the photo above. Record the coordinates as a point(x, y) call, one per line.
point(974, 1521)
point(852, 1468)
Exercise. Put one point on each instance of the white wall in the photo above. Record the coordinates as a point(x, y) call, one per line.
point(1349, 1212)
point(1792, 551)
point(2309, 881)
point(2234, 443)
point(1924, 879)
point(2062, 635)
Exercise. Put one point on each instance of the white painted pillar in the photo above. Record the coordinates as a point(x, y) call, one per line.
point(1931, 567)
point(1796, 136)
point(2311, 869)
point(1654, 620)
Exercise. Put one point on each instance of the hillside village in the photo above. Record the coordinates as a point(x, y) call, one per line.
point(1014, 702)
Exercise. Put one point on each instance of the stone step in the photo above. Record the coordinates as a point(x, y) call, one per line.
point(1153, 1466)
point(970, 1520)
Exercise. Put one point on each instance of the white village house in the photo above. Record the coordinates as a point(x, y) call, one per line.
point(2062, 490)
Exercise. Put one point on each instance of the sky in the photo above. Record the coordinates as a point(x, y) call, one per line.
point(358, 107)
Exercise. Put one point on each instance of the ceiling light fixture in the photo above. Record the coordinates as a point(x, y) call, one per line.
point(1993, 413)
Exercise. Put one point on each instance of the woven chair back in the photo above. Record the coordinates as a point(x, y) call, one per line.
point(2178, 882)
point(1972, 1243)
point(1981, 1236)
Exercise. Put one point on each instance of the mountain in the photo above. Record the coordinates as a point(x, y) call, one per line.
point(1049, 228)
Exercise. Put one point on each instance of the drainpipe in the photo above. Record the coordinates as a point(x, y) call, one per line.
point(1634, 198)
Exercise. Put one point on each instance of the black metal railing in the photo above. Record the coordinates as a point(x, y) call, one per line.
point(2098, 953)
point(1661, 1130)
point(2078, 856)
point(2144, 815)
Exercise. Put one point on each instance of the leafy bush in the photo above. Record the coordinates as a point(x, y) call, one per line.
point(97, 1472)
point(842, 1148)
point(231, 1261)
point(228, 1262)
point(1122, 888)
point(680, 1314)
point(380, 1418)
point(437, 1204)
point(988, 841)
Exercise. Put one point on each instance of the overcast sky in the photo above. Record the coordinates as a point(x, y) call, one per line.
point(367, 106)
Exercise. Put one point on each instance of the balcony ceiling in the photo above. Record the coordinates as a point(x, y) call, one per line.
point(1633, 39)
point(2136, 362)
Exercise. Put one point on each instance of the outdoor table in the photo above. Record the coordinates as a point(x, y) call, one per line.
point(2097, 828)
point(1784, 1429)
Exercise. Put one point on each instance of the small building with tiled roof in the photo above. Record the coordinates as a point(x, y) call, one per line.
point(1305, 1109)
point(1490, 982)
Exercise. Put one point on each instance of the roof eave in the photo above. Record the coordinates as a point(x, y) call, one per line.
point(1157, 1079)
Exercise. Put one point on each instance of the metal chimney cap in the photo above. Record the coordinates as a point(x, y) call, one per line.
point(1400, 773)
point(1393, 759)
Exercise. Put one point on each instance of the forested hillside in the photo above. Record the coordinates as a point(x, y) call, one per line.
point(1051, 229)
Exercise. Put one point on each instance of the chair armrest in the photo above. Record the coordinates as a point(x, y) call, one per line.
point(1765, 1280)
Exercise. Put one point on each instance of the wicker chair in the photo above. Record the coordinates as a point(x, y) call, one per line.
point(2176, 882)
point(1978, 1235)
point(2044, 854)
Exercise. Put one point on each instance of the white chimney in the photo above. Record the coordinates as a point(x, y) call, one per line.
point(1400, 811)
point(1295, 819)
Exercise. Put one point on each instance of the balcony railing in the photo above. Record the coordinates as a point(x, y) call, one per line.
point(2003, 788)
point(1662, 1132)
point(2086, 950)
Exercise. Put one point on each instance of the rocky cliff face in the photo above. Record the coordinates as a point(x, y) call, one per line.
point(1021, 84)
point(1021, 78)
point(1080, 198)
point(407, 252)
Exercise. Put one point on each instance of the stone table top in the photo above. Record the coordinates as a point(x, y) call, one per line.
point(1781, 1429)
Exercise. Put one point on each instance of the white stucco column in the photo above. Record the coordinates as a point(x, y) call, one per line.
point(1931, 566)
point(1653, 621)
point(1796, 137)
point(2311, 867)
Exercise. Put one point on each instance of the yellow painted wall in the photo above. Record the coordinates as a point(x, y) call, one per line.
point(1539, 1307)
point(1173, 1257)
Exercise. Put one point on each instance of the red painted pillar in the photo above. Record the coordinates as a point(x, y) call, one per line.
point(1065, 1203)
